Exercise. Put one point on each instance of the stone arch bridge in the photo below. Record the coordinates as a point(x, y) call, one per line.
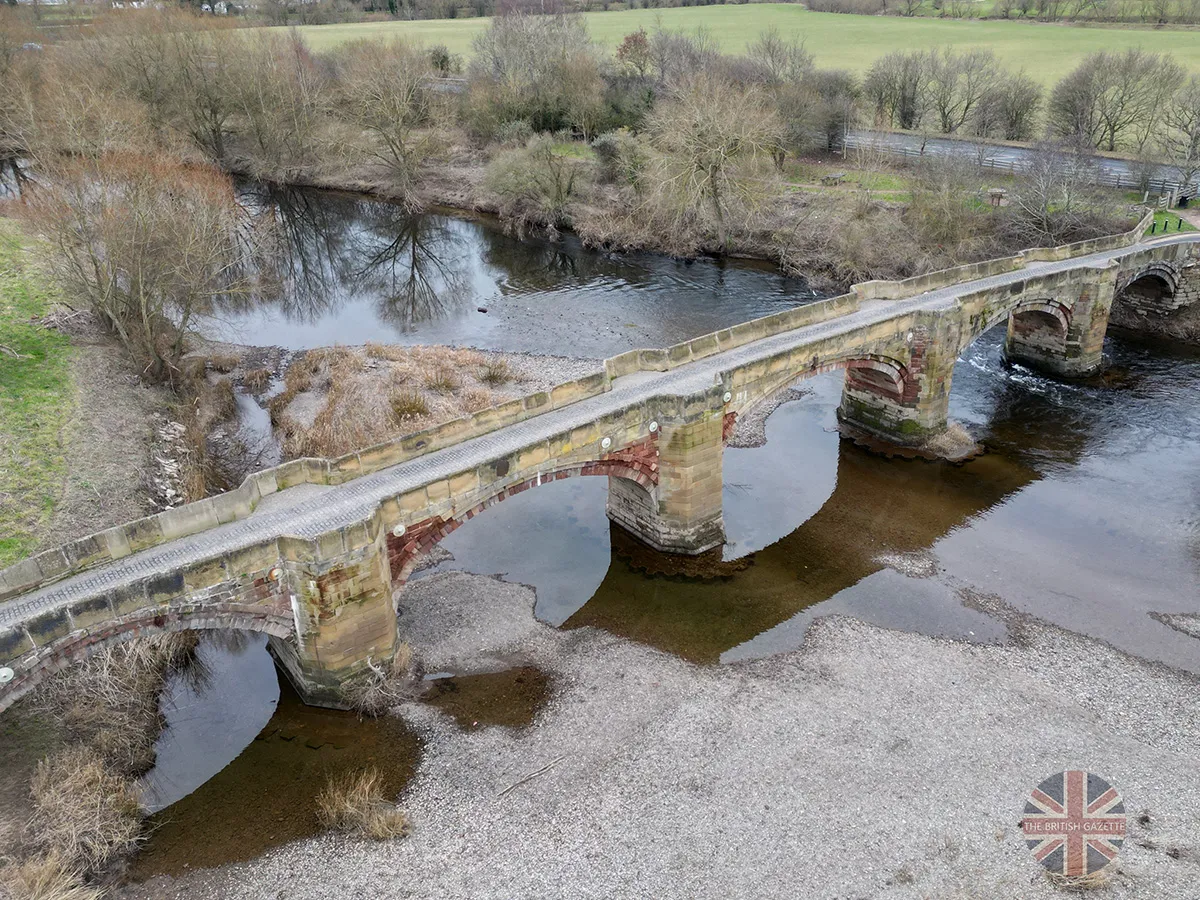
point(315, 552)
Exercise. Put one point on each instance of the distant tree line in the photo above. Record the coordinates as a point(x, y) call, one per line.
point(1132, 101)
point(284, 12)
point(1147, 12)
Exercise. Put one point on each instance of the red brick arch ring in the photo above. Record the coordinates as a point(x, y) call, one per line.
point(637, 463)
point(77, 646)
point(883, 374)
point(1060, 313)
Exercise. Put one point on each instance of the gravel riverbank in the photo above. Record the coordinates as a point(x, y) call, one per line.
point(869, 763)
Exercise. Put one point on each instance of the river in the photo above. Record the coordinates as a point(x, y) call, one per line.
point(1085, 511)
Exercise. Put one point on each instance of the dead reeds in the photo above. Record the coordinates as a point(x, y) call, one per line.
point(340, 399)
point(354, 803)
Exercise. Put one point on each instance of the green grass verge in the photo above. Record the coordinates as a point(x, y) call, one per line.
point(1046, 52)
point(1171, 221)
point(35, 392)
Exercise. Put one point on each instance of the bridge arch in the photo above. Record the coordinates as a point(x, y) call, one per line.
point(876, 373)
point(59, 654)
point(1043, 312)
point(636, 467)
point(1158, 279)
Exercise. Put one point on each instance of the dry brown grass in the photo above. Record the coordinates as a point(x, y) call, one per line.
point(83, 811)
point(495, 372)
point(442, 379)
point(109, 701)
point(408, 404)
point(385, 686)
point(257, 380)
point(1092, 881)
point(45, 877)
point(223, 362)
point(354, 803)
point(360, 397)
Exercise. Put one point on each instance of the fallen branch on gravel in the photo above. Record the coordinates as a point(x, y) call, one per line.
point(532, 775)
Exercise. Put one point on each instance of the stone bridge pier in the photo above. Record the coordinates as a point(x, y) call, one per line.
point(1063, 334)
point(682, 513)
point(900, 390)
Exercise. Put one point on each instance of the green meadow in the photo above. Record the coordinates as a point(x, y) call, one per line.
point(1046, 52)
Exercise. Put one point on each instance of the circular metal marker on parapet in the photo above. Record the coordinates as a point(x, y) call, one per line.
point(728, 396)
point(653, 427)
point(7, 675)
point(606, 443)
point(398, 531)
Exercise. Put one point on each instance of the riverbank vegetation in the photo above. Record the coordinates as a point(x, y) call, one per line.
point(666, 145)
point(339, 399)
point(72, 809)
point(34, 404)
point(355, 803)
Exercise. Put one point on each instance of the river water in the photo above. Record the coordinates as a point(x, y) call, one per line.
point(1085, 511)
point(358, 270)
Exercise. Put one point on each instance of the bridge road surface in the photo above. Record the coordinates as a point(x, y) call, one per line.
point(308, 511)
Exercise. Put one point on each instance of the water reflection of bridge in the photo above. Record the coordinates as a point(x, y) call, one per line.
point(317, 569)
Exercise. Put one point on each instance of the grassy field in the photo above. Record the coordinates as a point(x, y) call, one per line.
point(1046, 52)
point(35, 392)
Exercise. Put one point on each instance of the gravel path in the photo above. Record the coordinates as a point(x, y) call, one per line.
point(867, 764)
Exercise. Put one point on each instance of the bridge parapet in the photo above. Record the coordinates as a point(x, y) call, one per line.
point(659, 440)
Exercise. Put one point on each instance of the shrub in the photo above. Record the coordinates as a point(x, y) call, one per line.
point(223, 362)
point(443, 379)
point(83, 810)
point(516, 133)
point(45, 877)
point(382, 687)
point(408, 405)
point(621, 157)
point(354, 803)
point(533, 184)
point(495, 372)
point(442, 61)
point(257, 380)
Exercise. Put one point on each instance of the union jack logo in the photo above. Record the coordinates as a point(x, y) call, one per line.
point(1074, 823)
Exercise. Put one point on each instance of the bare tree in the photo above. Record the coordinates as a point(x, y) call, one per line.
point(203, 68)
point(708, 132)
point(282, 97)
point(383, 89)
point(957, 82)
point(897, 88)
point(17, 77)
point(1009, 109)
point(145, 242)
point(1053, 196)
point(1180, 138)
point(1111, 98)
point(785, 60)
point(540, 69)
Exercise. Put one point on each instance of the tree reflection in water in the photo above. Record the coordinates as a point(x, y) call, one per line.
point(334, 248)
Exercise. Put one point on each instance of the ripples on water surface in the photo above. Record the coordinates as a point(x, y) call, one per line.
point(359, 270)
